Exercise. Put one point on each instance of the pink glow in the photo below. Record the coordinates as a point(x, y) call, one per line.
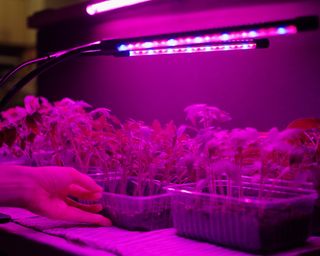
point(105, 6)
point(211, 38)
point(194, 49)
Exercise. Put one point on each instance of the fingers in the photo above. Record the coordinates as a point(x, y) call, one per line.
point(58, 209)
point(81, 193)
point(94, 208)
point(85, 181)
point(75, 214)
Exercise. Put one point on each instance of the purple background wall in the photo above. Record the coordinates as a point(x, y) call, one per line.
point(261, 88)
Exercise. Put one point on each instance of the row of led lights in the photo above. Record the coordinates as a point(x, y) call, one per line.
point(193, 49)
point(210, 38)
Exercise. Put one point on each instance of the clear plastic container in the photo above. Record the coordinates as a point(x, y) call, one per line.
point(43, 158)
point(250, 217)
point(15, 161)
point(299, 184)
point(150, 210)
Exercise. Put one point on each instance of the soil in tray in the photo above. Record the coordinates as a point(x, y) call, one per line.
point(141, 222)
point(243, 231)
point(145, 215)
point(316, 219)
point(284, 234)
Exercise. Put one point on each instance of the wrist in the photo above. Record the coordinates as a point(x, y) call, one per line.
point(16, 185)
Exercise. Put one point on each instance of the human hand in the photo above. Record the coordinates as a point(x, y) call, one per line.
point(46, 191)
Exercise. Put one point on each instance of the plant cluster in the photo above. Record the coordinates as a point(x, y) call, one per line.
point(72, 133)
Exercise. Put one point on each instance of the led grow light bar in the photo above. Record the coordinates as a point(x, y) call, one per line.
point(230, 46)
point(263, 30)
point(105, 6)
point(209, 40)
point(108, 47)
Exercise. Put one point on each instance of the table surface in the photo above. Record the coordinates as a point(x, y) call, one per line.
point(50, 236)
point(35, 242)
